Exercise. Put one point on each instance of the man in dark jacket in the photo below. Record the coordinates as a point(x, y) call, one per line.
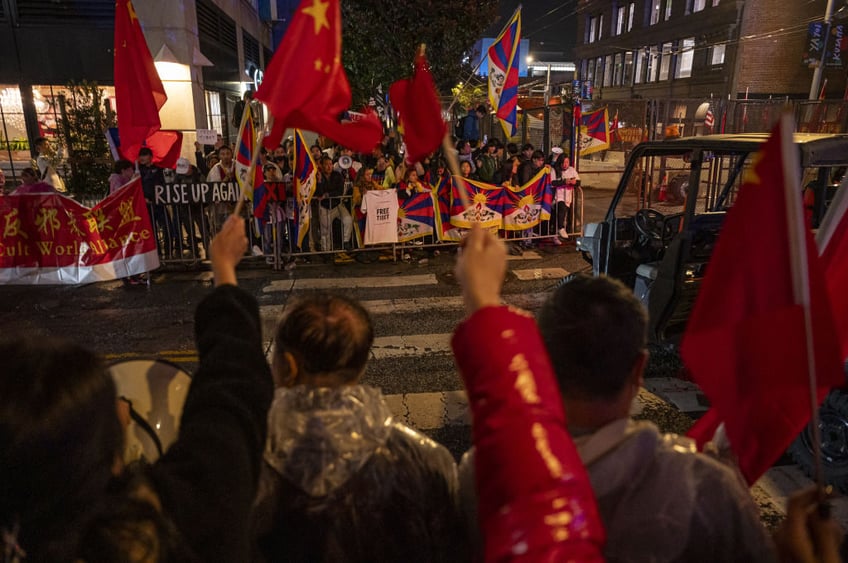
point(342, 481)
point(163, 223)
point(330, 191)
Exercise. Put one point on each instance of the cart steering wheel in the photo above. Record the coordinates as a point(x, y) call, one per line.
point(650, 223)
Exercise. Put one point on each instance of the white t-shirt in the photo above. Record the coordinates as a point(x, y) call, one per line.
point(568, 190)
point(381, 209)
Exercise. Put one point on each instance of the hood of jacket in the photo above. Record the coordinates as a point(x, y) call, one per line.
point(319, 437)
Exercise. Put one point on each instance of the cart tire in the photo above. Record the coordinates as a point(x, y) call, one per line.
point(833, 425)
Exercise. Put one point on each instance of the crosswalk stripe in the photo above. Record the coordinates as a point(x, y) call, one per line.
point(684, 395)
point(780, 482)
point(410, 345)
point(351, 282)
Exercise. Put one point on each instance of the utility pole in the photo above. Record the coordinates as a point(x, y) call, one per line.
point(817, 73)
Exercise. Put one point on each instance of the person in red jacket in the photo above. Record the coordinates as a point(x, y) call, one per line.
point(535, 501)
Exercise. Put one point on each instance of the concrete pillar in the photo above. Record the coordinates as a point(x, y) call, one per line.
point(174, 24)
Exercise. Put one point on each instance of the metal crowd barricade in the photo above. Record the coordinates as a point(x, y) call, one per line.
point(184, 231)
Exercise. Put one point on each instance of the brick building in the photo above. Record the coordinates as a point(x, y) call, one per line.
point(673, 49)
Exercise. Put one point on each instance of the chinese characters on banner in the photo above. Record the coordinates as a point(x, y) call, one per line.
point(52, 239)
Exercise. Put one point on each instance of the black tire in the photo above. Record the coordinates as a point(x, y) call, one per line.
point(833, 424)
point(566, 280)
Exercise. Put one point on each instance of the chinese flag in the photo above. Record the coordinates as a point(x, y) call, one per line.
point(832, 239)
point(419, 110)
point(305, 85)
point(139, 94)
point(746, 341)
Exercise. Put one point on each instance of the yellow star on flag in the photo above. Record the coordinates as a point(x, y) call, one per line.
point(318, 64)
point(318, 11)
point(131, 10)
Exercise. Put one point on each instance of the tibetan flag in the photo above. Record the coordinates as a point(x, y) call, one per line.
point(442, 190)
point(416, 216)
point(419, 111)
point(594, 132)
point(526, 206)
point(254, 190)
point(503, 59)
point(304, 186)
point(746, 340)
point(139, 94)
point(486, 204)
point(305, 84)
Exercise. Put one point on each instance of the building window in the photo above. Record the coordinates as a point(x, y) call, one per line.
point(684, 58)
point(714, 3)
point(631, 13)
point(214, 116)
point(665, 61)
point(627, 78)
point(592, 29)
point(620, 19)
point(654, 16)
point(608, 70)
point(617, 69)
point(652, 64)
point(696, 6)
point(640, 64)
point(717, 54)
point(600, 27)
point(667, 10)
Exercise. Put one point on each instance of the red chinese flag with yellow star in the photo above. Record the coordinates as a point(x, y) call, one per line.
point(305, 85)
point(139, 94)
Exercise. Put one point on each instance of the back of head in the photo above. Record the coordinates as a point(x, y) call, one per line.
point(594, 329)
point(327, 335)
point(59, 438)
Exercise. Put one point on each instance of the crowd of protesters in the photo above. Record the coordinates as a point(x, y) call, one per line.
point(319, 470)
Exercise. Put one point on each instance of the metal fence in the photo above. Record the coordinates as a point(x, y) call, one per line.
point(183, 232)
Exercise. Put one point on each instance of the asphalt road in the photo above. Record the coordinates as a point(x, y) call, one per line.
point(414, 306)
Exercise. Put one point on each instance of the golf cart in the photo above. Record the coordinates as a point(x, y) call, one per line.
point(664, 221)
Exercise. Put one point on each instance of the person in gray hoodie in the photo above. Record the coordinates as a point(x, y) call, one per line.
point(659, 499)
point(342, 480)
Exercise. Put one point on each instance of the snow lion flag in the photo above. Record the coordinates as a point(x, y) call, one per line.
point(526, 206)
point(594, 132)
point(746, 342)
point(304, 185)
point(503, 58)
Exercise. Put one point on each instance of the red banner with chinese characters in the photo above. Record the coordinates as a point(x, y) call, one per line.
point(47, 238)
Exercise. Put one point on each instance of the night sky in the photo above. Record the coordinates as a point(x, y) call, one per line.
point(550, 25)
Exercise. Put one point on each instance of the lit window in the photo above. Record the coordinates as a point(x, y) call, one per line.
point(593, 29)
point(627, 78)
point(631, 12)
point(717, 54)
point(640, 63)
point(600, 26)
point(698, 5)
point(667, 10)
point(652, 64)
point(684, 58)
point(617, 69)
point(715, 3)
point(654, 16)
point(665, 61)
point(620, 19)
point(608, 70)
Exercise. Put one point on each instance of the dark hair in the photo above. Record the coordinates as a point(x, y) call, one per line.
point(145, 151)
point(39, 141)
point(29, 171)
point(482, 109)
point(594, 330)
point(537, 154)
point(511, 148)
point(327, 334)
point(121, 165)
point(59, 436)
point(526, 147)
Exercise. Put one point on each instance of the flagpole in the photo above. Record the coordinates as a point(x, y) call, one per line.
point(480, 62)
point(800, 274)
